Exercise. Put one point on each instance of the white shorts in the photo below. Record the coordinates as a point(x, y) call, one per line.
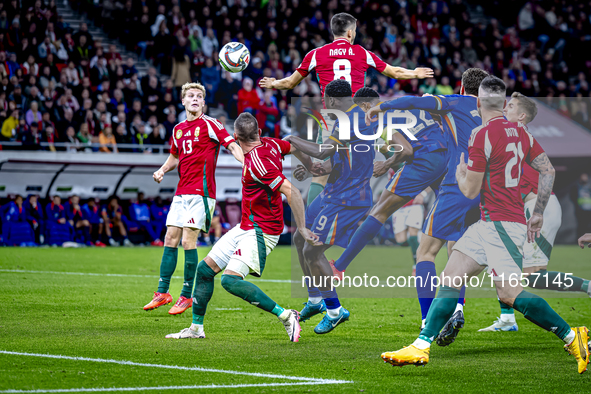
point(241, 251)
point(538, 253)
point(192, 211)
point(411, 216)
point(496, 245)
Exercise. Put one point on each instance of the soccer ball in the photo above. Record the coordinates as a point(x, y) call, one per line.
point(234, 57)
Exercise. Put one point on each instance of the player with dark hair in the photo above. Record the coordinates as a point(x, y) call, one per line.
point(340, 59)
point(334, 214)
point(536, 255)
point(244, 249)
point(496, 153)
point(451, 213)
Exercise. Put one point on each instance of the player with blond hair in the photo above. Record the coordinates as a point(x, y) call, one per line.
point(194, 150)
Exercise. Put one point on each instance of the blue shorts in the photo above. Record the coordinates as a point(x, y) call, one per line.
point(425, 170)
point(451, 214)
point(334, 224)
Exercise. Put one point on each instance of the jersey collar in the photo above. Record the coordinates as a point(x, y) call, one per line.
point(353, 106)
point(495, 118)
point(342, 39)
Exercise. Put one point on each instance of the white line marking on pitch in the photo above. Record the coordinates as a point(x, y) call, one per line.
point(299, 380)
point(123, 275)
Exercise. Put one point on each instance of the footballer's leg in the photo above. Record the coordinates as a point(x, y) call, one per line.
point(386, 206)
point(167, 267)
point(321, 274)
point(315, 304)
point(184, 301)
point(425, 271)
point(459, 266)
point(316, 187)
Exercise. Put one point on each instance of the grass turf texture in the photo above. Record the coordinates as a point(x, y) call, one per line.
point(102, 317)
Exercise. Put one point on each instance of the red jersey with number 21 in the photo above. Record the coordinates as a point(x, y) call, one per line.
point(197, 145)
point(499, 149)
point(262, 177)
point(340, 60)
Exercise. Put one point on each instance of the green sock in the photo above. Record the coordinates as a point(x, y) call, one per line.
point(441, 310)
point(248, 292)
point(552, 280)
point(167, 267)
point(413, 242)
point(537, 310)
point(585, 286)
point(314, 191)
point(506, 309)
point(277, 310)
point(190, 268)
point(203, 291)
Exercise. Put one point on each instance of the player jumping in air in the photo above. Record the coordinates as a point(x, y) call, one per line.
point(195, 149)
point(244, 249)
point(497, 151)
point(334, 214)
point(426, 162)
point(340, 59)
point(521, 109)
point(450, 215)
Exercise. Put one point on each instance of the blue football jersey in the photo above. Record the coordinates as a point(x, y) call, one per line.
point(352, 165)
point(459, 116)
point(428, 134)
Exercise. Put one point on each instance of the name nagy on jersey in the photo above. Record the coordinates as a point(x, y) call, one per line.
point(341, 52)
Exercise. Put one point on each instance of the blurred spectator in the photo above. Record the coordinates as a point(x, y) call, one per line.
point(79, 221)
point(140, 213)
point(581, 195)
point(112, 215)
point(93, 214)
point(159, 212)
point(35, 217)
point(181, 69)
point(248, 99)
point(10, 126)
point(108, 141)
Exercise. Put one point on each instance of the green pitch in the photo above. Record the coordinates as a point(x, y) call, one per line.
point(87, 303)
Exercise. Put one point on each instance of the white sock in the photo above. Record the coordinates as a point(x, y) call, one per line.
point(459, 307)
point(508, 317)
point(421, 344)
point(314, 300)
point(198, 328)
point(334, 312)
point(570, 337)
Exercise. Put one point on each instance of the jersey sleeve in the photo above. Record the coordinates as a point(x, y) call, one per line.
point(285, 147)
point(223, 136)
point(427, 103)
point(308, 64)
point(267, 171)
point(374, 61)
point(535, 150)
point(174, 149)
point(477, 151)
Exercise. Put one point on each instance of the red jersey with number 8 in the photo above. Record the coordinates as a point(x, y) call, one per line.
point(499, 149)
point(262, 178)
point(197, 145)
point(340, 60)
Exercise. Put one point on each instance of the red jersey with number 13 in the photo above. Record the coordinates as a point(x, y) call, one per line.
point(499, 149)
point(262, 177)
point(197, 145)
point(340, 60)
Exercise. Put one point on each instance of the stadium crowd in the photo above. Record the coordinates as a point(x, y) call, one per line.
point(29, 222)
point(61, 85)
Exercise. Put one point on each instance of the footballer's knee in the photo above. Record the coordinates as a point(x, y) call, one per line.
point(189, 244)
point(310, 252)
point(172, 237)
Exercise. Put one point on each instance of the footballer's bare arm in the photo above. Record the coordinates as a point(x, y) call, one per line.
point(170, 164)
point(403, 73)
point(543, 165)
point(320, 151)
point(282, 84)
point(236, 151)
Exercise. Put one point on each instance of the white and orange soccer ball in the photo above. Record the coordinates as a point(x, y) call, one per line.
point(234, 57)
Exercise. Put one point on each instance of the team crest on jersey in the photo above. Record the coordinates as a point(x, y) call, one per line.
point(197, 133)
point(179, 134)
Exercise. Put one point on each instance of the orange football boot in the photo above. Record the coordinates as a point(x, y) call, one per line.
point(158, 300)
point(181, 305)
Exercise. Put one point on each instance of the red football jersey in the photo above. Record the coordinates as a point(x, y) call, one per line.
point(262, 177)
point(499, 149)
point(197, 144)
point(340, 60)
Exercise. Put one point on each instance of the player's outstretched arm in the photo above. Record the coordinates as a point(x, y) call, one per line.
point(381, 167)
point(170, 164)
point(542, 165)
point(319, 151)
point(295, 201)
point(404, 73)
point(426, 103)
point(469, 181)
point(282, 84)
point(236, 151)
